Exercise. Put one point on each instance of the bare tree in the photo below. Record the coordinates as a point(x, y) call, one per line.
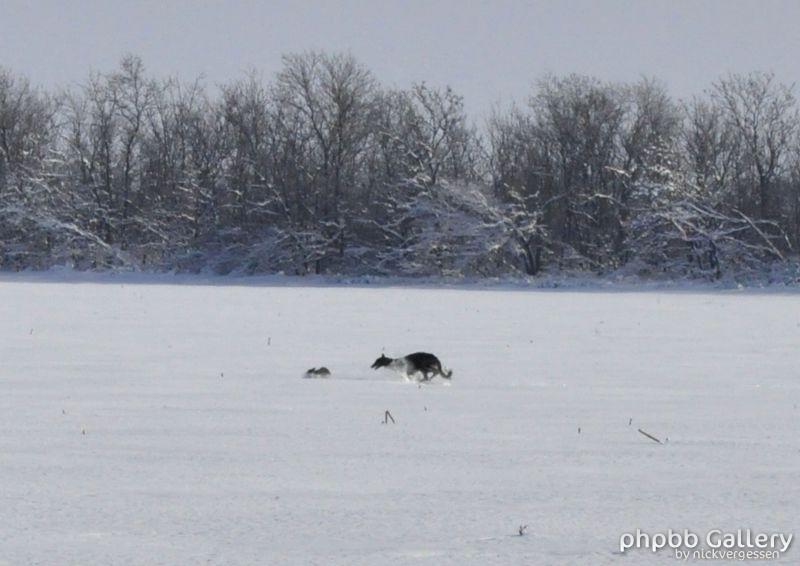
point(27, 128)
point(764, 115)
point(334, 97)
point(711, 146)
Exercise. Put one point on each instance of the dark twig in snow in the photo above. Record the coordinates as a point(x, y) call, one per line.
point(650, 436)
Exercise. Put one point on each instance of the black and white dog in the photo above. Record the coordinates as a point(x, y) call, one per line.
point(420, 362)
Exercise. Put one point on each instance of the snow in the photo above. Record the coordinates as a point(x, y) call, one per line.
point(155, 423)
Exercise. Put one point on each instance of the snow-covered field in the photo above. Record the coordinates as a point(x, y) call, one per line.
point(169, 424)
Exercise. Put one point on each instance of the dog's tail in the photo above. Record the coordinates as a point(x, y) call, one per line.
point(447, 374)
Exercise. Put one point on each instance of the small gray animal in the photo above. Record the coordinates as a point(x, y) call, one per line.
point(318, 372)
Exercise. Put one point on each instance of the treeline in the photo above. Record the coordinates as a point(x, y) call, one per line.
point(323, 170)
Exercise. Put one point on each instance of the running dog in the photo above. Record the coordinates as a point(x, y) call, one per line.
point(420, 362)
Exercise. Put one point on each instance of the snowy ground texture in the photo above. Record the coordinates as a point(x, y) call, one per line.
point(152, 423)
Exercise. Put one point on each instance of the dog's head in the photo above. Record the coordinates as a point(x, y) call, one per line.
point(383, 361)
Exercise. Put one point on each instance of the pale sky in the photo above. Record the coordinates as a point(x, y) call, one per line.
point(488, 51)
